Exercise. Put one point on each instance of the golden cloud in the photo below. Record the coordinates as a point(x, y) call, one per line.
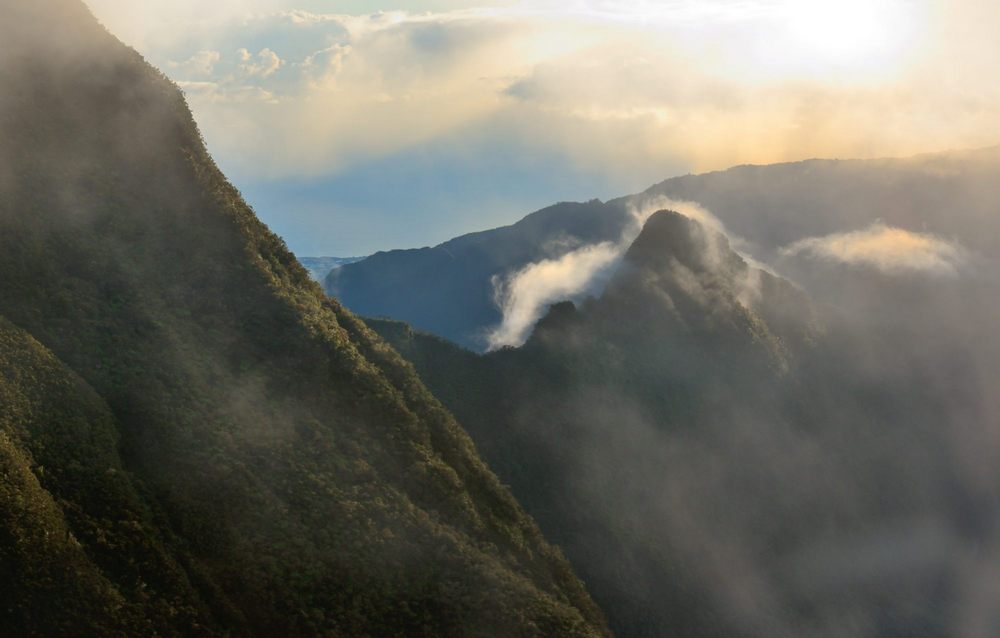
point(889, 249)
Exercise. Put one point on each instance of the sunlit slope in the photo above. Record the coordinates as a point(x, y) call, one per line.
point(288, 473)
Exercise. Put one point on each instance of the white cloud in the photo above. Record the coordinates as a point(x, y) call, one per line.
point(613, 86)
point(525, 295)
point(889, 249)
point(201, 64)
point(322, 67)
point(264, 64)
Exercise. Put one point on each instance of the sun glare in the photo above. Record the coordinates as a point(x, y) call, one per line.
point(853, 35)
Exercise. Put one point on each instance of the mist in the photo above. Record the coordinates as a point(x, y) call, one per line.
point(526, 294)
point(195, 439)
point(848, 492)
point(763, 403)
point(890, 250)
point(881, 486)
point(523, 296)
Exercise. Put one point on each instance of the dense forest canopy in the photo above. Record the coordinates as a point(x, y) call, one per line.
point(194, 439)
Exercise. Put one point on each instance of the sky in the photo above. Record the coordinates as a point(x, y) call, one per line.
point(356, 126)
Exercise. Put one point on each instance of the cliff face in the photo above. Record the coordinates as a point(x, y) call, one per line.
point(256, 460)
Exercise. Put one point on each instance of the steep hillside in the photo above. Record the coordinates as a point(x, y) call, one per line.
point(447, 290)
point(573, 420)
point(81, 551)
point(715, 463)
point(192, 429)
point(320, 267)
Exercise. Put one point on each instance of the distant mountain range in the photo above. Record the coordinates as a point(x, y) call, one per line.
point(320, 267)
point(450, 290)
point(718, 463)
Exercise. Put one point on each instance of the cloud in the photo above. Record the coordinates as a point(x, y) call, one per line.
point(889, 249)
point(323, 66)
point(631, 91)
point(525, 295)
point(264, 64)
point(201, 64)
point(622, 87)
point(343, 90)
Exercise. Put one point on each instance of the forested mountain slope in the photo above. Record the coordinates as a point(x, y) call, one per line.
point(572, 420)
point(195, 439)
point(720, 456)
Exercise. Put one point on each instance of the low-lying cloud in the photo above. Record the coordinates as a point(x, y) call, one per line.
point(889, 249)
point(525, 295)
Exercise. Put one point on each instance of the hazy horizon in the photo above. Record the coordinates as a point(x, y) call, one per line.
point(357, 126)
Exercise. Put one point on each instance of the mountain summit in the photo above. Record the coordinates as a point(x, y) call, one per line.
point(685, 335)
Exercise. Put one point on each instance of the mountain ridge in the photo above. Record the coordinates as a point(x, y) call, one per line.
point(770, 206)
point(718, 464)
point(299, 476)
point(668, 343)
point(386, 284)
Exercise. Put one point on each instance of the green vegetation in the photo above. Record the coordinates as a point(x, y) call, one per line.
point(712, 466)
point(194, 439)
point(75, 530)
point(667, 348)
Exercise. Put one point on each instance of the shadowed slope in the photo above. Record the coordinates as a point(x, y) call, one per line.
point(304, 481)
point(576, 419)
point(448, 289)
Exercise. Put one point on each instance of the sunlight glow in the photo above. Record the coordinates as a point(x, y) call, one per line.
point(854, 35)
